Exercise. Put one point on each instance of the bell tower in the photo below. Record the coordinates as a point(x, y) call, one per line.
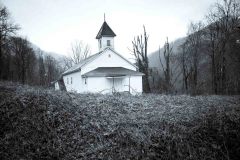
point(105, 37)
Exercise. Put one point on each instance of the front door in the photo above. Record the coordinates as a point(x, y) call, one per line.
point(118, 84)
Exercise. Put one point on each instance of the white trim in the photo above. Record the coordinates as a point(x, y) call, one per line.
point(116, 77)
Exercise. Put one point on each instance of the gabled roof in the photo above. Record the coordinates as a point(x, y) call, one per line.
point(78, 66)
point(106, 31)
point(112, 72)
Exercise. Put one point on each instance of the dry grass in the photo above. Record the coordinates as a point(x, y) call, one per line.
point(45, 124)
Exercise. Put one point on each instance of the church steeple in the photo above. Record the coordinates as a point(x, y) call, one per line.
point(105, 36)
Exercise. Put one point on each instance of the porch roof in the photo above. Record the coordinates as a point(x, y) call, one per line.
point(112, 72)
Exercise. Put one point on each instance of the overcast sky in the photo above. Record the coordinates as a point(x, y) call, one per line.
point(54, 24)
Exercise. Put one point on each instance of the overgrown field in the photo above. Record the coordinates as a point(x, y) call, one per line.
point(45, 124)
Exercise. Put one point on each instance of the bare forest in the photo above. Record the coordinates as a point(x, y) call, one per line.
point(206, 61)
point(21, 61)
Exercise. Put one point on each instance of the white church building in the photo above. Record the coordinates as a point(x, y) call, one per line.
point(104, 72)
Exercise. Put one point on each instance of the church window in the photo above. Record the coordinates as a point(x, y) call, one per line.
point(67, 80)
point(100, 43)
point(108, 43)
point(71, 80)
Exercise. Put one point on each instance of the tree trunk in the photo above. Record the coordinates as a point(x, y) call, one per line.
point(146, 86)
point(1, 57)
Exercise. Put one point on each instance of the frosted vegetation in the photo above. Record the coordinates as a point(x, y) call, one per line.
point(46, 124)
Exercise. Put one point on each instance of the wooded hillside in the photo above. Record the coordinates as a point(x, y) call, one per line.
point(207, 60)
point(20, 60)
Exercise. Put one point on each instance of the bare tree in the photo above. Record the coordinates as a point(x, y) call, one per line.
point(167, 53)
point(31, 67)
point(185, 67)
point(68, 63)
point(41, 68)
point(194, 43)
point(52, 70)
point(7, 29)
point(79, 51)
point(222, 20)
point(23, 57)
point(140, 44)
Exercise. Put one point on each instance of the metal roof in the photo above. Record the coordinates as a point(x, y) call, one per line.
point(78, 66)
point(112, 72)
point(106, 31)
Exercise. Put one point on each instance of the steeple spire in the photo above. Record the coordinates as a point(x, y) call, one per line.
point(105, 36)
point(105, 31)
